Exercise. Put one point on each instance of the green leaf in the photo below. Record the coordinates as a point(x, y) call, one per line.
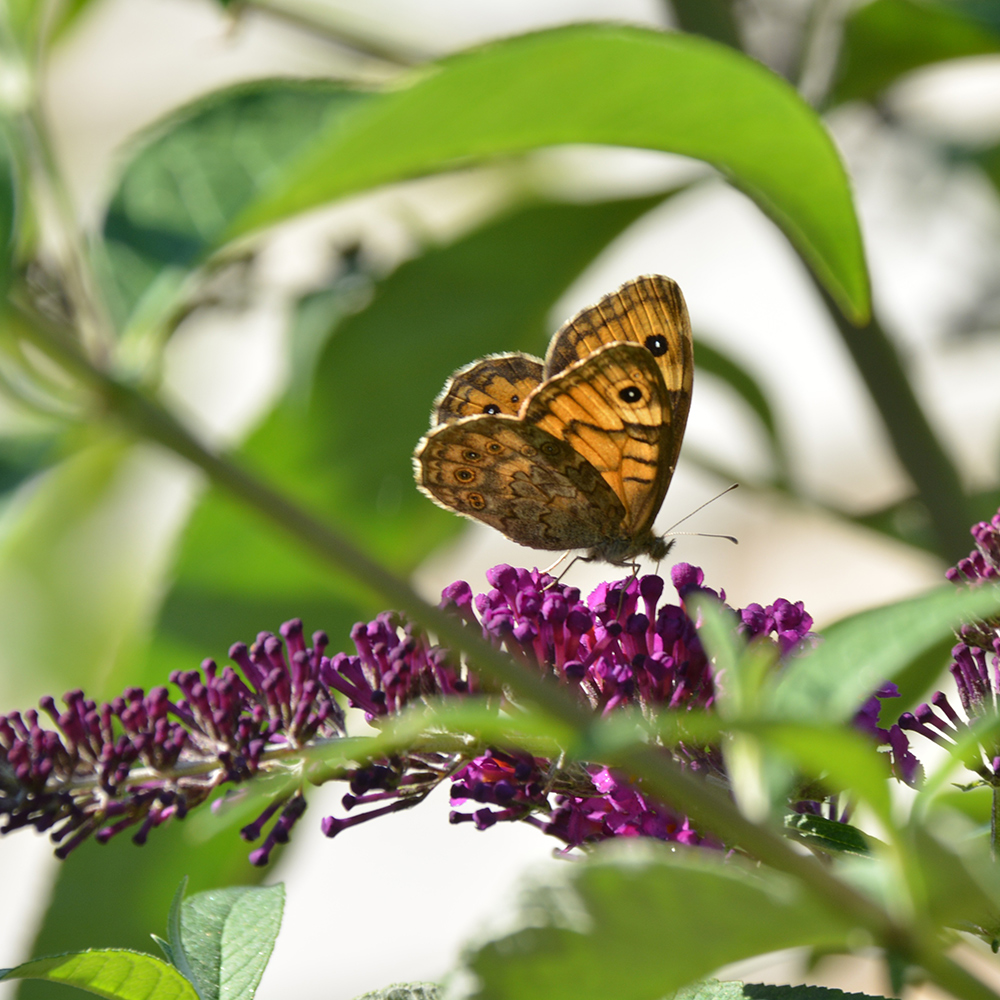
point(888, 38)
point(8, 214)
point(738, 378)
point(113, 973)
point(640, 923)
point(404, 991)
point(828, 835)
point(228, 936)
point(597, 84)
point(80, 572)
point(198, 170)
point(860, 653)
point(112, 894)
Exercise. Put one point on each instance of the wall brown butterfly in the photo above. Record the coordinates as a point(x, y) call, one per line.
point(576, 451)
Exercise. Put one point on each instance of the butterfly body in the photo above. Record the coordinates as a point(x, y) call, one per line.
point(585, 459)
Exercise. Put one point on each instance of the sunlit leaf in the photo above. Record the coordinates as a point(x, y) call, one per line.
point(597, 84)
point(114, 974)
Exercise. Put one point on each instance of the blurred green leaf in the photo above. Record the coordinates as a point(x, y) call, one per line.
point(860, 653)
point(198, 169)
point(722, 366)
point(960, 889)
point(82, 555)
point(597, 84)
point(641, 923)
point(711, 18)
point(8, 220)
point(228, 936)
point(888, 38)
point(115, 974)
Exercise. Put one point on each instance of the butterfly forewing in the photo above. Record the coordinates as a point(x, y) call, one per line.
point(498, 383)
point(517, 478)
point(612, 409)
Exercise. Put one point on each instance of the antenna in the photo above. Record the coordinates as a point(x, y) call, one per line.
point(703, 534)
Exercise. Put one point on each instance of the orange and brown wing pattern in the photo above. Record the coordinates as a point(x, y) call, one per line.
point(613, 409)
point(519, 479)
point(498, 383)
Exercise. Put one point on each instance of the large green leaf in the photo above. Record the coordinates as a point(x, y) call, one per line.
point(198, 169)
point(644, 925)
point(888, 38)
point(597, 84)
point(860, 653)
point(114, 974)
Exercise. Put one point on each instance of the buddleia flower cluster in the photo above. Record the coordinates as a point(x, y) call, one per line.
point(975, 666)
point(85, 769)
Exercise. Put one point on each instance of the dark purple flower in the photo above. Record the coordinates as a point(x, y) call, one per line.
point(144, 758)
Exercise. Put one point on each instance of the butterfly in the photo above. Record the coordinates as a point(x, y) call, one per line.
point(576, 451)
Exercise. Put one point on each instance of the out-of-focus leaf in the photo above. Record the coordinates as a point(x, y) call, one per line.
point(228, 936)
point(113, 894)
point(114, 974)
point(82, 554)
point(199, 169)
point(8, 221)
point(711, 18)
point(888, 38)
point(860, 653)
point(597, 84)
point(961, 889)
point(722, 366)
point(643, 923)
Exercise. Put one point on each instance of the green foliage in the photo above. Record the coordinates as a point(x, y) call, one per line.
point(607, 929)
point(886, 39)
point(219, 944)
point(599, 85)
point(197, 170)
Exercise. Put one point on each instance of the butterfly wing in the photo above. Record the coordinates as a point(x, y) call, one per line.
point(498, 383)
point(613, 409)
point(649, 310)
point(519, 479)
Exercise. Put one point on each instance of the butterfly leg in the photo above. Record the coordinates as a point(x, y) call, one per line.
point(569, 566)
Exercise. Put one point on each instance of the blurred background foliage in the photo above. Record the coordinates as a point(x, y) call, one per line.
point(118, 563)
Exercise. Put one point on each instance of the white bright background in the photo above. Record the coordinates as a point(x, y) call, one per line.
point(397, 901)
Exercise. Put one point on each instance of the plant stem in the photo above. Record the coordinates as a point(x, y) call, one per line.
point(913, 438)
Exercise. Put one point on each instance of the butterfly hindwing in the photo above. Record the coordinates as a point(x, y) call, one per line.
point(613, 409)
point(498, 383)
point(520, 479)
